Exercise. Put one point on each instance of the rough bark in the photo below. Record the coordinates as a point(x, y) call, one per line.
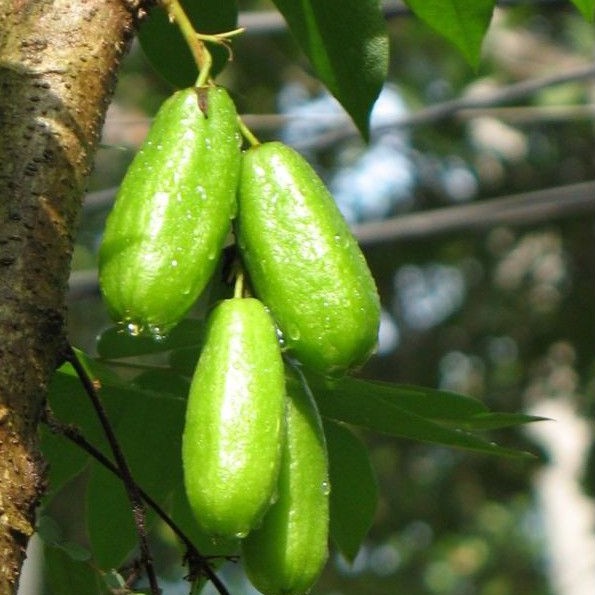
point(57, 64)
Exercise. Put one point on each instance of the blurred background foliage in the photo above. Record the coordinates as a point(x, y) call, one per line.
point(503, 312)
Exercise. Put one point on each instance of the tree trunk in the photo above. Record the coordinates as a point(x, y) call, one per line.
point(58, 59)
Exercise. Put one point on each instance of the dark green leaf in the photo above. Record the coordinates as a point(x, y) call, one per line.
point(109, 519)
point(462, 22)
point(76, 551)
point(49, 530)
point(114, 580)
point(114, 343)
point(64, 459)
point(166, 49)
point(587, 8)
point(52, 535)
point(371, 411)
point(498, 421)
point(163, 381)
point(184, 361)
point(354, 491)
point(149, 429)
point(148, 425)
point(66, 576)
point(347, 44)
point(69, 404)
point(448, 408)
point(430, 403)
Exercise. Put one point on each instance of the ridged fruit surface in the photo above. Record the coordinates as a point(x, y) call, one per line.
point(173, 212)
point(234, 428)
point(285, 555)
point(303, 261)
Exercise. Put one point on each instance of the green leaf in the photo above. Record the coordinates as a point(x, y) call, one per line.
point(52, 535)
point(434, 404)
point(166, 49)
point(69, 405)
point(448, 408)
point(67, 576)
point(184, 361)
point(357, 402)
point(347, 44)
point(498, 421)
point(49, 530)
point(587, 8)
point(354, 490)
point(76, 551)
point(149, 430)
point(163, 381)
point(114, 580)
point(114, 343)
point(462, 22)
point(109, 519)
point(64, 459)
point(148, 425)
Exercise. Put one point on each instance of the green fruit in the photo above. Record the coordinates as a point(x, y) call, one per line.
point(233, 435)
point(285, 555)
point(303, 261)
point(173, 212)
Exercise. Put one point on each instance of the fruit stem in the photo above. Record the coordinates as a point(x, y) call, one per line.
point(196, 41)
point(201, 55)
point(247, 133)
point(238, 289)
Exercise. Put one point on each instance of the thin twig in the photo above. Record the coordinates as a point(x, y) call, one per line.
point(272, 122)
point(73, 434)
point(527, 208)
point(132, 490)
point(425, 116)
point(531, 114)
point(447, 109)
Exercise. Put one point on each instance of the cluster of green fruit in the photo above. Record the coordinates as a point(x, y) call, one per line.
point(254, 456)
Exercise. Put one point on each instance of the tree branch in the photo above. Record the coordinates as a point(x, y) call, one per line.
point(57, 64)
point(447, 109)
point(527, 208)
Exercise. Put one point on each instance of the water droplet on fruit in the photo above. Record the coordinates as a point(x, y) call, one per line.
point(274, 497)
point(133, 329)
point(293, 332)
point(280, 336)
point(241, 534)
point(326, 488)
point(157, 334)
